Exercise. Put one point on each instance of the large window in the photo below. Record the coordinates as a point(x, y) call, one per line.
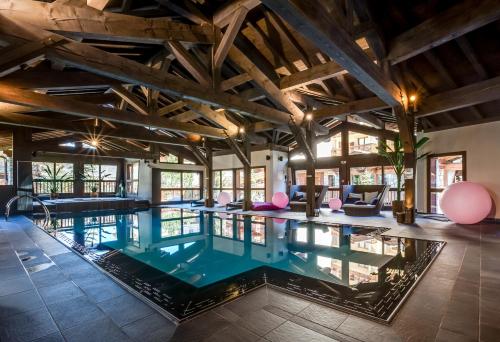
point(99, 177)
point(369, 175)
point(227, 180)
point(360, 143)
point(443, 170)
point(169, 158)
point(223, 181)
point(330, 148)
point(6, 158)
point(330, 177)
point(133, 178)
point(52, 177)
point(177, 186)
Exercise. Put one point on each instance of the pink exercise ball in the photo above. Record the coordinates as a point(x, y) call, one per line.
point(335, 204)
point(223, 198)
point(280, 199)
point(465, 202)
point(279, 220)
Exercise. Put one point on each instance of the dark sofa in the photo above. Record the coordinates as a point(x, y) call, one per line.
point(368, 209)
point(300, 205)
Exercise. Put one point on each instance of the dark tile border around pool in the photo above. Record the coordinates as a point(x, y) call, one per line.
point(181, 301)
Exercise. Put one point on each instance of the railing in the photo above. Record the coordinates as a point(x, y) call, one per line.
point(331, 193)
point(41, 186)
point(105, 186)
point(15, 198)
point(392, 196)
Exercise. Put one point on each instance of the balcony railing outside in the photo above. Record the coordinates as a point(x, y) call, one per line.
point(105, 186)
point(41, 186)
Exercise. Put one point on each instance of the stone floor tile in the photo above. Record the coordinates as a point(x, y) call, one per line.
point(125, 309)
point(200, 328)
point(19, 302)
point(149, 328)
point(293, 332)
point(46, 275)
point(17, 284)
point(27, 326)
point(287, 302)
point(100, 289)
point(60, 292)
point(323, 315)
point(55, 337)
point(72, 312)
point(365, 330)
point(260, 322)
point(233, 333)
point(100, 330)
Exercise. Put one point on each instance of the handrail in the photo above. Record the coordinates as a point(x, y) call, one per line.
point(15, 198)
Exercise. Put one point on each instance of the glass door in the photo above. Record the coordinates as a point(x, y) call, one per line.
point(443, 170)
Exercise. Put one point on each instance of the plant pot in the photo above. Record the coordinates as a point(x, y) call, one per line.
point(397, 207)
point(54, 195)
point(94, 194)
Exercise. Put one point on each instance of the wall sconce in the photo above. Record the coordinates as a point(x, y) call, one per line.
point(268, 157)
point(280, 158)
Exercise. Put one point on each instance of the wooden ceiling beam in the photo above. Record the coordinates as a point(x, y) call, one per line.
point(218, 118)
point(229, 35)
point(195, 68)
point(98, 4)
point(354, 107)
point(315, 23)
point(42, 150)
point(171, 108)
point(235, 81)
point(263, 81)
point(314, 74)
point(186, 116)
point(481, 92)
point(131, 99)
point(460, 19)
point(224, 15)
point(94, 60)
point(187, 10)
point(86, 22)
point(79, 108)
point(57, 80)
point(134, 133)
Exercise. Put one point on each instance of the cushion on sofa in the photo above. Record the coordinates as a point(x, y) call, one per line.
point(353, 198)
point(369, 196)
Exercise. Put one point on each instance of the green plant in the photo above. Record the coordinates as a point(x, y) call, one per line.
point(55, 177)
point(91, 174)
point(396, 157)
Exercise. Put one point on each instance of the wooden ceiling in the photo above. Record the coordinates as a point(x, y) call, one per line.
point(173, 76)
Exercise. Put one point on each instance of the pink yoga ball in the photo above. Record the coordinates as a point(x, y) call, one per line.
point(279, 220)
point(335, 204)
point(280, 199)
point(223, 198)
point(465, 202)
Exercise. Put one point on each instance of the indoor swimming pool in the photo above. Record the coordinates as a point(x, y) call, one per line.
point(188, 261)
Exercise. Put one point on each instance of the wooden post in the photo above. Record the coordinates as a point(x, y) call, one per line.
point(247, 185)
point(310, 174)
point(209, 199)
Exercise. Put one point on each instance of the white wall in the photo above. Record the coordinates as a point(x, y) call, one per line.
point(482, 146)
point(275, 169)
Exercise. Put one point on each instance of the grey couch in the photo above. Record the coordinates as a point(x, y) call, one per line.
point(369, 209)
point(300, 205)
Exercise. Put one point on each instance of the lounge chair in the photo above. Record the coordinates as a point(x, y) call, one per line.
point(355, 205)
point(298, 197)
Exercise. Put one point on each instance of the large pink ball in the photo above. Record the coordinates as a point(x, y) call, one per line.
point(280, 199)
point(335, 204)
point(465, 202)
point(223, 198)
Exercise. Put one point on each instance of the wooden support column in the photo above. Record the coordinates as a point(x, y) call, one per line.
point(22, 165)
point(247, 170)
point(310, 174)
point(209, 199)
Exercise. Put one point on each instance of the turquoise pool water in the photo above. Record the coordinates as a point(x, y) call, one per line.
point(196, 252)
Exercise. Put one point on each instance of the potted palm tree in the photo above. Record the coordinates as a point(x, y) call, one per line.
point(54, 177)
point(91, 174)
point(396, 157)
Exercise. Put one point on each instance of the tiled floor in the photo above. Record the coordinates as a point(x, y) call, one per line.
point(49, 294)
